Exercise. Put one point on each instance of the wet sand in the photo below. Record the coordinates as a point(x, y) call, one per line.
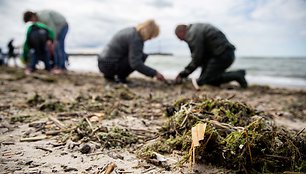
point(29, 103)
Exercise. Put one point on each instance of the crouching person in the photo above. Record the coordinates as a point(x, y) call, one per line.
point(124, 53)
point(37, 46)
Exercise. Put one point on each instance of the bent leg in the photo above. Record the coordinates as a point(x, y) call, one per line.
point(108, 69)
point(124, 68)
point(33, 60)
point(212, 73)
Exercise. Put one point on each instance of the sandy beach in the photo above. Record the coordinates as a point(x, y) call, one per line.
point(41, 113)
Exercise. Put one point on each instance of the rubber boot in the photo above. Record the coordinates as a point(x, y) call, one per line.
point(238, 76)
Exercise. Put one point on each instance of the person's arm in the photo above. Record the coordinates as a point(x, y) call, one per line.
point(196, 45)
point(196, 54)
point(25, 53)
point(135, 58)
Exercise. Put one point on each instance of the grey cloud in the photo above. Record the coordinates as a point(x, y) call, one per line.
point(161, 3)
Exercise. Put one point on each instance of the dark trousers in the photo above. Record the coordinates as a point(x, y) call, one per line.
point(121, 69)
point(38, 49)
point(214, 69)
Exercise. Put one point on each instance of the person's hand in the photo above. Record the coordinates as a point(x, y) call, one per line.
point(178, 79)
point(160, 77)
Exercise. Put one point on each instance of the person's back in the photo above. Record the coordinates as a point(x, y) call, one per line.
point(52, 19)
point(124, 53)
point(211, 51)
point(118, 47)
point(211, 38)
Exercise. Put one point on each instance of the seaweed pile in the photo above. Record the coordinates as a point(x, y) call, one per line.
point(108, 137)
point(72, 123)
point(236, 137)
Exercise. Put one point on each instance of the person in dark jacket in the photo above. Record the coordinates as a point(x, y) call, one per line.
point(211, 51)
point(2, 58)
point(11, 52)
point(124, 53)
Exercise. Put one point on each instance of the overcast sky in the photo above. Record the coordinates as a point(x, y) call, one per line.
point(255, 27)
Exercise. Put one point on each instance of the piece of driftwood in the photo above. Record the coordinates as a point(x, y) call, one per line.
point(57, 122)
point(97, 153)
point(148, 170)
point(42, 148)
point(58, 144)
point(7, 143)
point(109, 168)
point(30, 139)
point(55, 132)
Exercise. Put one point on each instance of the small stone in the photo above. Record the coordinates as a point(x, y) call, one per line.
point(85, 149)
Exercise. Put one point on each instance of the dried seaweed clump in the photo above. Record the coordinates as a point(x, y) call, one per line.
point(109, 138)
point(236, 137)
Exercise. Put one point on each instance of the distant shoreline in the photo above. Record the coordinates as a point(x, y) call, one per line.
point(96, 54)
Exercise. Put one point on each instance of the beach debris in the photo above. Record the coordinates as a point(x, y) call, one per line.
point(7, 143)
point(94, 106)
point(115, 155)
point(197, 134)
point(43, 148)
point(85, 149)
point(35, 100)
point(57, 122)
point(236, 137)
point(20, 118)
point(108, 168)
point(52, 106)
point(44, 77)
point(195, 84)
point(68, 169)
point(86, 131)
point(30, 139)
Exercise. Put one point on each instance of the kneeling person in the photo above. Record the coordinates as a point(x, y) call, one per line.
point(211, 51)
point(124, 53)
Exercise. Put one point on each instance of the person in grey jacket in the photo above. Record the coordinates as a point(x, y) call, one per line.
point(58, 23)
point(211, 51)
point(124, 53)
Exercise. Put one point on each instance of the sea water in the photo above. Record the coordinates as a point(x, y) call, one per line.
point(276, 71)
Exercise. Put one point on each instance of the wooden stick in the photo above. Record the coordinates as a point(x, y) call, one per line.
point(56, 132)
point(38, 138)
point(57, 122)
point(97, 153)
point(58, 144)
point(42, 148)
point(7, 143)
point(149, 169)
point(183, 122)
point(110, 167)
point(89, 123)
